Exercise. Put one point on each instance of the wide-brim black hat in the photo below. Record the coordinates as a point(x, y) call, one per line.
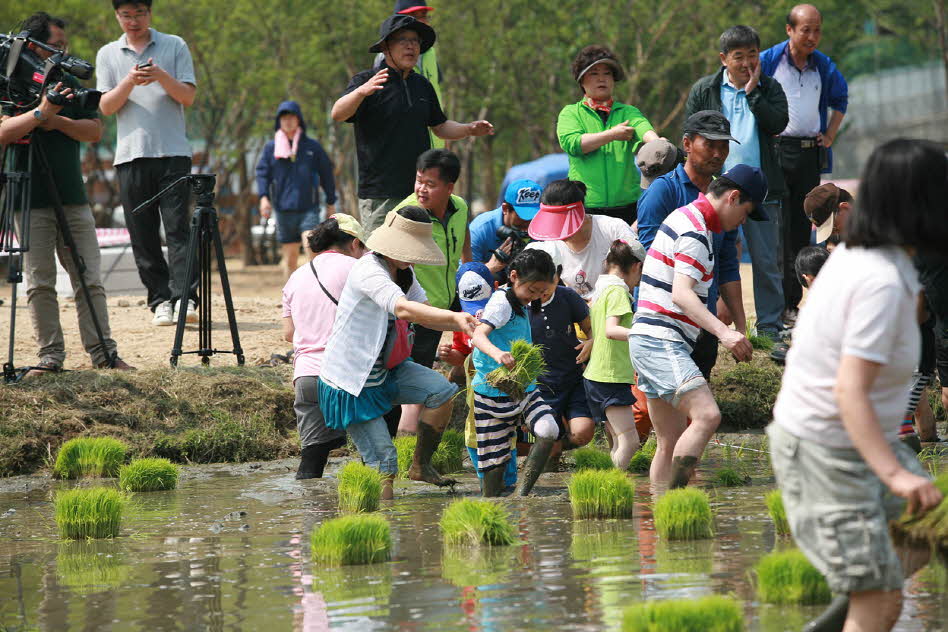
point(398, 22)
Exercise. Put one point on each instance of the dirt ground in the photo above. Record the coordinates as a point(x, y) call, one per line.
point(256, 291)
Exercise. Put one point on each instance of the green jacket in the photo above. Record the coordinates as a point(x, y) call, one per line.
point(769, 105)
point(450, 235)
point(610, 174)
point(428, 67)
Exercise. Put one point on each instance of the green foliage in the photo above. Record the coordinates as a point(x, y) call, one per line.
point(353, 539)
point(592, 459)
point(932, 458)
point(730, 477)
point(93, 512)
point(448, 458)
point(360, 487)
point(601, 494)
point(474, 522)
point(88, 457)
point(758, 341)
point(529, 366)
point(708, 614)
point(148, 475)
point(787, 577)
point(746, 393)
point(931, 526)
point(642, 460)
point(87, 566)
point(684, 514)
point(777, 513)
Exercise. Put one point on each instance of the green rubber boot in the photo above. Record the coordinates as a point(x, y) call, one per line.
point(421, 468)
point(536, 463)
point(493, 482)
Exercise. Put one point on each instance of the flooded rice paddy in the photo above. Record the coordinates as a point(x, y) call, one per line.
point(229, 550)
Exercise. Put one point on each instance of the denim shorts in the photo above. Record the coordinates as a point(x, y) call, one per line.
point(665, 368)
point(292, 224)
point(839, 510)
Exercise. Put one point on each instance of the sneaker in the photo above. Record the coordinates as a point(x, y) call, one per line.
point(164, 316)
point(191, 315)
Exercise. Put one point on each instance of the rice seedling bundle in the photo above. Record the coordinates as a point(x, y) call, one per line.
point(360, 487)
point(592, 459)
point(758, 341)
point(529, 366)
point(353, 539)
point(684, 514)
point(405, 446)
point(777, 513)
point(642, 460)
point(94, 512)
point(89, 457)
point(474, 522)
point(787, 577)
point(601, 494)
point(715, 613)
point(931, 526)
point(448, 458)
point(730, 477)
point(148, 475)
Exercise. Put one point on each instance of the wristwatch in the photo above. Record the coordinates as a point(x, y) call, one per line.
point(39, 116)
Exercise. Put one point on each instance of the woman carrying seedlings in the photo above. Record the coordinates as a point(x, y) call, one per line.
point(505, 328)
point(609, 375)
point(366, 369)
point(309, 309)
point(842, 471)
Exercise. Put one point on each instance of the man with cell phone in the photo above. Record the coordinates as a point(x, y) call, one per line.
point(147, 78)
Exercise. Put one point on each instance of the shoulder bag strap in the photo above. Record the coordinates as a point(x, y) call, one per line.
point(331, 297)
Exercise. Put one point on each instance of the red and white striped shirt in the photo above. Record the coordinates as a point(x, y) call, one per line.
point(682, 245)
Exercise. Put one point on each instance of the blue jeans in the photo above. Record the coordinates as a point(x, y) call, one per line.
point(664, 367)
point(763, 243)
point(375, 445)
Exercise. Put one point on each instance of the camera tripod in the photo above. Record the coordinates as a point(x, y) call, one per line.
point(15, 183)
point(204, 235)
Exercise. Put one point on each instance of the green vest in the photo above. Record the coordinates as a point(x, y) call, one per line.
point(427, 66)
point(438, 281)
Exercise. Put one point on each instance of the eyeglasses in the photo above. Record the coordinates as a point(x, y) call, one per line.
point(407, 41)
point(133, 17)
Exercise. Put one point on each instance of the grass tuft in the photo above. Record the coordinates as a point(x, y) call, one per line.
point(746, 392)
point(89, 457)
point(708, 614)
point(354, 539)
point(601, 494)
point(93, 512)
point(148, 475)
point(642, 460)
point(447, 459)
point(777, 513)
point(787, 577)
point(758, 341)
point(931, 526)
point(592, 459)
point(530, 365)
point(684, 514)
point(360, 487)
point(474, 522)
point(730, 477)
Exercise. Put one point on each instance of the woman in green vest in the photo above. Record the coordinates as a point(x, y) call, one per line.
point(602, 136)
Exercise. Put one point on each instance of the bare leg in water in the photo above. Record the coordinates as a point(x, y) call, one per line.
point(620, 422)
point(680, 446)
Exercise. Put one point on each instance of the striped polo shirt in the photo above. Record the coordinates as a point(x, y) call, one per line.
point(683, 246)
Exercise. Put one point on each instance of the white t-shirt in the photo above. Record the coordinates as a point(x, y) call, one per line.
point(582, 269)
point(862, 304)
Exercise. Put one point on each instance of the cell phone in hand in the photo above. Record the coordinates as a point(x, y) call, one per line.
point(147, 64)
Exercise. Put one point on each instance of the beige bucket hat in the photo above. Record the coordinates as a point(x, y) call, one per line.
point(406, 240)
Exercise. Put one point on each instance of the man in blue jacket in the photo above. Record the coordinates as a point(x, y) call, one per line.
point(290, 171)
point(813, 86)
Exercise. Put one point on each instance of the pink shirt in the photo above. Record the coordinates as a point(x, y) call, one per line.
point(312, 311)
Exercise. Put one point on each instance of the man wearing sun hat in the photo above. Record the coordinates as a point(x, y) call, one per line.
point(828, 206)
point(392, 109)
point(494, 234)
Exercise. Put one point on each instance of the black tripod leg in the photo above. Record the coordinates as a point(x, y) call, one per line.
point(188, 281)
point(225, 287)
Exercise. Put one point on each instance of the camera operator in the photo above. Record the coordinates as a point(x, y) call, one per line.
point(58, 130)
point(498, 235)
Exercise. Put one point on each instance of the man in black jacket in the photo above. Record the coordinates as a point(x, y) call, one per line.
point(756, 108)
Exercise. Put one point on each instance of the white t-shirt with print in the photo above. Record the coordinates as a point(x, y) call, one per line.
point(582, 269)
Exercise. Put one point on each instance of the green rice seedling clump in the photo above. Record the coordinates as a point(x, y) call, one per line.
point(474, 522)
point(148, 475)
point(762, 343)
point(449, 457)
point(89, 457)
point(787, 577)
point(592, 459)
point(715, 613)
point(405, 446)
point(777, 513)
point(642, 460)
point(354, 539)
point(529, 366)
point(730, 477)
point(93, 512)
point(684, 514)
point(601, 494)
point(360, 487)
point(932, 525)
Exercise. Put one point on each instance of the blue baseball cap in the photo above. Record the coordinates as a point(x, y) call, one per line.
point(753, 182)
point(524, 196)
point(475, 286)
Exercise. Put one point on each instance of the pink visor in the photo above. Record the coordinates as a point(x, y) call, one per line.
point(557, 222)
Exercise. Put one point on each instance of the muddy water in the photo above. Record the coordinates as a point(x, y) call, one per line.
point(228, 550)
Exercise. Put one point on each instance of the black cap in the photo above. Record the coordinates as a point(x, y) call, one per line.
point(711, 124)
point(399, 21)
point(753, 183)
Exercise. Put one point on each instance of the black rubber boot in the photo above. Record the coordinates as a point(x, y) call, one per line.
point(313, 458)
point(536, 463)
point(425, 446)
point(913, 442)
point(833, 618)
point(493, 482)
point(683, 468)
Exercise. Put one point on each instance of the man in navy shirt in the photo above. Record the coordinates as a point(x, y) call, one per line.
point(521, 203)
point(705, 141)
